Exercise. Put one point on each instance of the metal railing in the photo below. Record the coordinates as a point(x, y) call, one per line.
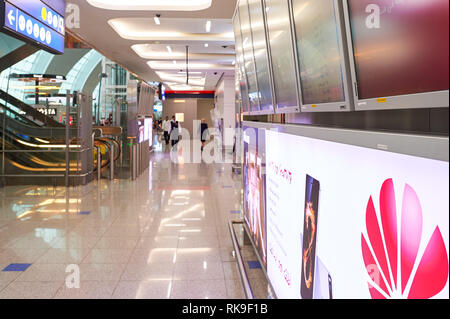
point(43, 151)
point(240, 261)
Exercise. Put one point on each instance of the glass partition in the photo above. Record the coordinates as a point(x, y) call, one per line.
point(282, 53)
point(247, 45)
point(261, 56)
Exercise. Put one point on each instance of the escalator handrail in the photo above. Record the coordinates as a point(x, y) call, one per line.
point(47, 121)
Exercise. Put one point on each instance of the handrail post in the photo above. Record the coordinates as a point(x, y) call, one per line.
point(99, 163)
point(67, 137)
point(240, 261)
point(112, 162)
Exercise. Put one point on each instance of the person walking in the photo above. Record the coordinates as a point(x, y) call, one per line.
point(166, 126)
point(204, 133)
point(174, 131)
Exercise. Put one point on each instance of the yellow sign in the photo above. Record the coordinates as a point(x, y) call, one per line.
point(44, 14)
point(383, 100)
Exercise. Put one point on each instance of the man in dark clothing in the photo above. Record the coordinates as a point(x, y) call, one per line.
point(174, 132)
point(203, 133)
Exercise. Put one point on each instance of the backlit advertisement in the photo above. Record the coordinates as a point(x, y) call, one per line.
point(350, 222)
point(148, 130)
point(254, 188)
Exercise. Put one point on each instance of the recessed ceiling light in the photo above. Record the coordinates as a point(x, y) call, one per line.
point(169, 49)
point(208, 26)
point(184, 72)
point(206, 45)
point(162, 65)
point(152, 5)
point(157, 21)
point(141, 29)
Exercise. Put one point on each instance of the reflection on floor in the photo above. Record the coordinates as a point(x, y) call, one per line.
point(162, 236)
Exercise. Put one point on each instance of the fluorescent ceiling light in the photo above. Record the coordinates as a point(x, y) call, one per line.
point(162, 65)
point(208, 26)
point(138, 29)
point(157, 21)
point(150, 5)
point(184, 72)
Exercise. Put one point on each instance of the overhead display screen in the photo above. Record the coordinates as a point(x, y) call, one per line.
point(247, 45)
point(400, 47)
point(240, 63)
point(281, 49)
point(319, 51)
point(260, 50)
point(254, 174)
point(348, 222)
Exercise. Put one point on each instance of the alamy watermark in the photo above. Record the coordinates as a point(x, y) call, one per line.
point(73, 17)
point(73, 279)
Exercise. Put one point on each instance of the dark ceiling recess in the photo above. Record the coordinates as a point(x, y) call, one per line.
point(190, 94)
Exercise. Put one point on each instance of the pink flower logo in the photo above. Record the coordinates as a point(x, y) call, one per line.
point(391, 251)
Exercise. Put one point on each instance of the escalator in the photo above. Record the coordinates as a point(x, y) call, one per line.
point(33, 146)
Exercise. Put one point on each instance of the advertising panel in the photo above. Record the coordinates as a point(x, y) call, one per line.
point(254, 188)
point(141, 131)
point(148, 130)
point(349, 222)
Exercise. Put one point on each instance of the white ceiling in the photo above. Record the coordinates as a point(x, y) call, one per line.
point(155, 52)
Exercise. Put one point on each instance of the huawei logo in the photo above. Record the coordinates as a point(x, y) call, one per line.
point(391, 249)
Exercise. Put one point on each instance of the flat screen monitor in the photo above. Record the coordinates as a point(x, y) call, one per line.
point(323, 71)
point(249, 61)
point(400, 49)
point(261, 55)
point(240, 69)
point(282, 55)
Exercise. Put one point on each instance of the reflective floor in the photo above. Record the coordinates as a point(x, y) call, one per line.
point(164, 235)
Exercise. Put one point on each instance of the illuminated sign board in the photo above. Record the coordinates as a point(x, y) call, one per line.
point(48, 111)
point(34, 21)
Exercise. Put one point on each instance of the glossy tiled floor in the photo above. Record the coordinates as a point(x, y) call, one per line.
point(164, 235)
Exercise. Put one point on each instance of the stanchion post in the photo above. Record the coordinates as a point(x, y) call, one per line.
point(112, 163)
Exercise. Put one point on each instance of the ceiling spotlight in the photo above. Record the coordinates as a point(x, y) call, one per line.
point(206, 45)
point(157, 21)
point(208, 26)
point(174, 62)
